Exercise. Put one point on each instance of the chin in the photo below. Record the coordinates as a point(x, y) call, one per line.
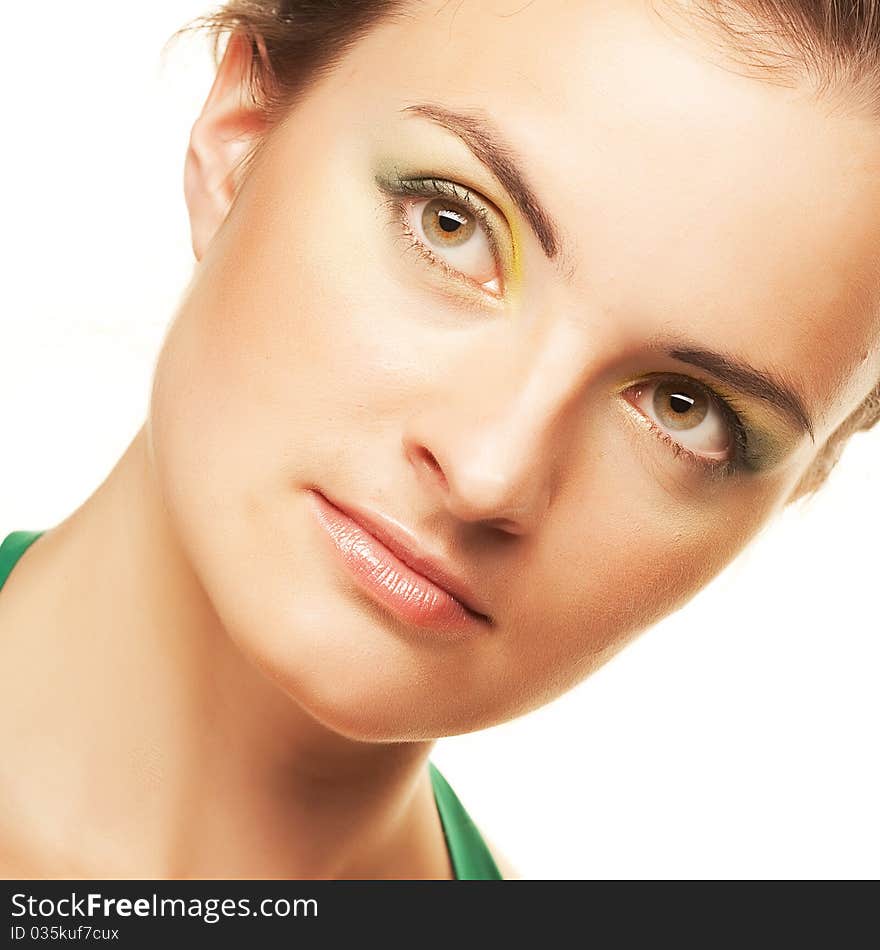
point(367, 684)
point(375, 699)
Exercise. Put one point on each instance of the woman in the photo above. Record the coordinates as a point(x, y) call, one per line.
point(469, 326)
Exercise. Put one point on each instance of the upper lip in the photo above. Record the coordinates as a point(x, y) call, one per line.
point(404, 544)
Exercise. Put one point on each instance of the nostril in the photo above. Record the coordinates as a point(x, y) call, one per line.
point(427, 457)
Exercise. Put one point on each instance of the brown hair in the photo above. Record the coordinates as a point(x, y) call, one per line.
point(834, 45)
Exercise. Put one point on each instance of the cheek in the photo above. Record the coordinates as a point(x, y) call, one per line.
point(274, 335)
point(620, 555)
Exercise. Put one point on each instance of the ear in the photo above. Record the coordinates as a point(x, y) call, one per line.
point(222, 134)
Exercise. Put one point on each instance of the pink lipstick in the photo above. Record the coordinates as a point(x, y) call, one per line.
point(395, 574)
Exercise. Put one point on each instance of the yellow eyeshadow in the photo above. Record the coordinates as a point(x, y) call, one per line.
point(516, 265)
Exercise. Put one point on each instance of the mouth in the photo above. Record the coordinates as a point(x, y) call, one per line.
point(390, 569)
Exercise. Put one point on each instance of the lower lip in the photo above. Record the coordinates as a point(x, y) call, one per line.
point(386, 579)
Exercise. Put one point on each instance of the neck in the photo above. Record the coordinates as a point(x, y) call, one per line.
point(153, 747)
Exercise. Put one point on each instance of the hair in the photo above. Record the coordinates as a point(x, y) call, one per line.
point(831, 45)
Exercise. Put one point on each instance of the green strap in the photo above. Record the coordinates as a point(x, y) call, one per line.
point(471, 858)
point(12, 548)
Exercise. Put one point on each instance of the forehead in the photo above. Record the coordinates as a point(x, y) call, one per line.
point(687, 195)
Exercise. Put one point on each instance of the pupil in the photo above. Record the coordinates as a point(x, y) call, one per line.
point(448, 223)
point(681, 403)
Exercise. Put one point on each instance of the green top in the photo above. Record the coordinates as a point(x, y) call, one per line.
point(471, 859)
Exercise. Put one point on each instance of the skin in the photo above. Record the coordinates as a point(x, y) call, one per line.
point(206, 692)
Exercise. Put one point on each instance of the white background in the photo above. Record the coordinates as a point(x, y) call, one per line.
point(735, 739)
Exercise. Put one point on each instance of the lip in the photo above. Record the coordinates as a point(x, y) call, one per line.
point(387, 563)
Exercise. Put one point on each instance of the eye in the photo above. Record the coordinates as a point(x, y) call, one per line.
point(455, 234)
point(689, 416)
point(450, 227)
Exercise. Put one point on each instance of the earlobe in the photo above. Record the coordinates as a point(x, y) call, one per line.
point(225, 130)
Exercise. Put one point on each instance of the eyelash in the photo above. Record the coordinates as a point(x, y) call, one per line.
point(713, 468)
point(430, 187)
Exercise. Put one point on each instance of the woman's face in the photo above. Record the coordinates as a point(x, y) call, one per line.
point(552, 288)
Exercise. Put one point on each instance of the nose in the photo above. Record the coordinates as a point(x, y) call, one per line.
point(491, 443)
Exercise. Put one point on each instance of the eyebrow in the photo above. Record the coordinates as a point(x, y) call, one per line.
point(738, 374)
point(489, 148)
